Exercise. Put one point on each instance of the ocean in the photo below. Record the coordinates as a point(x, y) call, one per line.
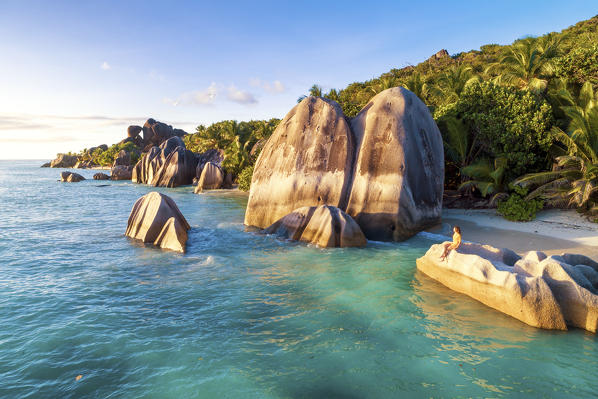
point(87, 313)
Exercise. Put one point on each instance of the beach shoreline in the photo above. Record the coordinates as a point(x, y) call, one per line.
point(554, 231)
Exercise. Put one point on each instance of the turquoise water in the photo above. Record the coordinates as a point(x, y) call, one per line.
point(242, 315)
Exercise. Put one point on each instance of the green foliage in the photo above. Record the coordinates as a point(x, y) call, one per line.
point(236, 139)
point(574, 179)
point(245, 178)
point(106, 158)
point(506, 122)
point(579, 66)
point(519, 209)
point(487, 177)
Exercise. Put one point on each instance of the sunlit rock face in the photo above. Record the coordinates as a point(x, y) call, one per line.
point(398, 175)
point(212, 177)
point(169, 165)
point(325, 226)
point(156, 219)
point(306, 162)
point(385, 168)
point(542, 291)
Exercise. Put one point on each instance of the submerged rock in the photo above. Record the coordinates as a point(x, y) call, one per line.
point(211, 178)
point(64, 161)
point(542, 291)
point(71, 177)
point(385, 169)
point(306, 162)
point(101, 176)
point(156, 219)
point(326, 226)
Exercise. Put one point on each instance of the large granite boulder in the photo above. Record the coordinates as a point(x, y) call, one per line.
point(306, 162)
point(178, 169)
point(156, 219)
point(542, 291)
point(398, 175)
point(101, 176)
point(155, 133)
point(123, 158)
point(213, 155)
point(133, 131)
point(71, 177)
point(121, 172)
point(212, 177)
point(64, 161)
point(385, 169)
point(325, 226)
point(169, 165)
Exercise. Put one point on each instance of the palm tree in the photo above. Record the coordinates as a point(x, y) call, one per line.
point(527, 62)
point(452, 83)
point(384, 83)
point(314, 91)
point(333, 95)
point(574, 178)
point(488, 177)
point(418, 85)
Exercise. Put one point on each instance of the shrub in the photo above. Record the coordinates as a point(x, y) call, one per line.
point(245, 178)
point(507, 122)
point(517, 208)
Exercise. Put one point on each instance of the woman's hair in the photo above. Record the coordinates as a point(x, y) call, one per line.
point(457, 229)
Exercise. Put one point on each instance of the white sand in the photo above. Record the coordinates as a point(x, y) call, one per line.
point(553, 231)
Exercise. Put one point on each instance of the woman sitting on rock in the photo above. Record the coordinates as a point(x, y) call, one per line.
point(449, 246)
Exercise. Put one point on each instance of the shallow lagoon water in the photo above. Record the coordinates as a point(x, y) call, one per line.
point(242, 315)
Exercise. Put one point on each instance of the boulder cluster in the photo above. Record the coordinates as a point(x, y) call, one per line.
point(156, 219)
point(550, 292)
point(384, 168)
point(71, 177)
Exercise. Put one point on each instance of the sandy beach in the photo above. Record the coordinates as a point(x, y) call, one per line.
point(554, 231)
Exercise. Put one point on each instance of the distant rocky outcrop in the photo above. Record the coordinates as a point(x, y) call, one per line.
point(385, 168)
point(439, 55)
point(121, 172)
point(85, 164)
point(64, 161)
point(155, 133)
point(46, 165)
point(71, 177)
point(211, 178)
point(122, 158)
point(169, 165)
point(156, 219)
point(550, 292)
point(101, 176)
point(325, 226)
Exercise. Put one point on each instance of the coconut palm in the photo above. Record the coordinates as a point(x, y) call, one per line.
point(574, 178)
point(333, 95)
point(420, 87)
point(383, 83)
point(452, 83)
point(314, 91)
point(527, 62)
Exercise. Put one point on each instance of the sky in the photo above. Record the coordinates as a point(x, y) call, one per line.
point(75, 74)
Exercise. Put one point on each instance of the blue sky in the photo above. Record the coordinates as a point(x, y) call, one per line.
point(74, 74)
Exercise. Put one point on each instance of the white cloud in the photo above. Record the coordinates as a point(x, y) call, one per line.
point(105, 66)
point(274, 87)
point(197, 97)
point(240, 96)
